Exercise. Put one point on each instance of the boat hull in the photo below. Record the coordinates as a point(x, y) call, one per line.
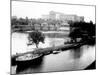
point(29, 62)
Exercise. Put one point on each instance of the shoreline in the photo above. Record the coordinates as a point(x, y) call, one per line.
point(47, 51)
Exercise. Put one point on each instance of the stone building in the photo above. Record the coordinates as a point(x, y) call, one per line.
point(61, 16)
point(64, 27)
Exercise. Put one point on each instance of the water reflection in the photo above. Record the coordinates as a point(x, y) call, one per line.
point(31, 66)
point(76, 53)
point(68, 60)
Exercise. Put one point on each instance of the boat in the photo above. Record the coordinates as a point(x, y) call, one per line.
point(56, 52)
point(28, 59)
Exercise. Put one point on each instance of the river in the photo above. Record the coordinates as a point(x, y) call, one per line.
point(64, 61)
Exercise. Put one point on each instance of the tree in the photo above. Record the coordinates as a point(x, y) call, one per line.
point(83, 30)
point(14, 20)
point(36, 37)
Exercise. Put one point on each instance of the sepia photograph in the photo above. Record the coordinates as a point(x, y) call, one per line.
point(52, 37)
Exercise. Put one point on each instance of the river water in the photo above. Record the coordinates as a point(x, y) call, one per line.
point(64, 61)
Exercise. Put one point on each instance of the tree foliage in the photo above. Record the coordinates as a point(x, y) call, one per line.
point(36, 37)
point(83, 30)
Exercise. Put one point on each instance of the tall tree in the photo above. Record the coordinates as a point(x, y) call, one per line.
point(36, 37)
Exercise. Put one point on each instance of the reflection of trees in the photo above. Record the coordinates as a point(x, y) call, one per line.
point(83, 30)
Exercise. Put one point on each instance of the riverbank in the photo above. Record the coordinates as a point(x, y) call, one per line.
point(51, 46)
point(48, 50)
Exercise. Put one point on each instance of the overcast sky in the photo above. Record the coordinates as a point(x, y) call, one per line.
point(36, 10)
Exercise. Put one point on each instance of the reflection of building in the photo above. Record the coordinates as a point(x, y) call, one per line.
point(61, 16)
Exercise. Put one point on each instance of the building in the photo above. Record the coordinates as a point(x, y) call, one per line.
point(44, 26)
point(45, 17)
point(37, 27)
point(61, 16)
point(64, 27)
point(52, 27)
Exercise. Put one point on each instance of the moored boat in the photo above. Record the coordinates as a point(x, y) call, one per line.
point(56, 52)
point(28, 59)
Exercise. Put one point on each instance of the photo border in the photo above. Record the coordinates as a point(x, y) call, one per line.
point(47, 3)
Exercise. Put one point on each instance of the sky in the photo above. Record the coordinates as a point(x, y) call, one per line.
point(36, 10)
